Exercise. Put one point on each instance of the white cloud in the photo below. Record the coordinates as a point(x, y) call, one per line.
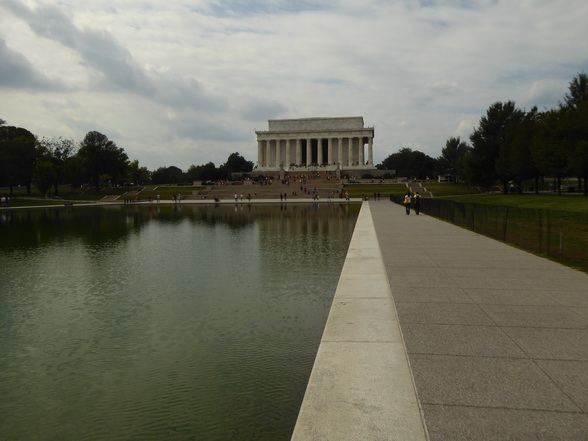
point(181, 83)
point(16, 71)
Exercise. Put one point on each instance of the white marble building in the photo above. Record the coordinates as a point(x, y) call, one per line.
point(313, 143)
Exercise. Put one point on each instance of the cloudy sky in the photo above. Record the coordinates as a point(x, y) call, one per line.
point(181, 82)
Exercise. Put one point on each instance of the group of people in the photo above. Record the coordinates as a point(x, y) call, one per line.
point(236, 196)
point(412, 201)
point(364, 197)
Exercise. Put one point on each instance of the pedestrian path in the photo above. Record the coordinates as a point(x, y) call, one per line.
point(497, 338)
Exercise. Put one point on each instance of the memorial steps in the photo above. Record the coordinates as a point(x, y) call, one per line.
point(324, 188)
point(415, 187)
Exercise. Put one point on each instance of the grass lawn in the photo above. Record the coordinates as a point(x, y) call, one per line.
point(385, 190)
point(565, 202)
point(448, 189)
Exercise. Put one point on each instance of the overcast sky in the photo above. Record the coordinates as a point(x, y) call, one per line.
point(182, 82)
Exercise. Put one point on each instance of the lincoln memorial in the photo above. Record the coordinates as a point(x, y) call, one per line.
point(308, 143)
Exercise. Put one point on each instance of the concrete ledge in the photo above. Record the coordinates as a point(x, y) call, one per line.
point(361, 386)
point(145, 203)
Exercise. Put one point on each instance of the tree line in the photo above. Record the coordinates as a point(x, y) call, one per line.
point(512, 145)
point(96, 161)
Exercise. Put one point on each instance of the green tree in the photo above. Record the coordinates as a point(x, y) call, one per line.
point(138, 175)
point(17, 157)
point(470, 165)
point(576, 127)
point(193, 173)
point(489, 143)
point(549, 148)
point(75, 172)
point(168, 175)
point(575, 120)
point(507, 153)
point(44, 176)
point(237, 164)
point(577, 94)
point(521, 164)
point(207, 172)
point(451, 156)
point(58, 151)
point(102, 158)
point(409, 163)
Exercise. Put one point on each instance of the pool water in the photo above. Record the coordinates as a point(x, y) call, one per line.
point(163, 323)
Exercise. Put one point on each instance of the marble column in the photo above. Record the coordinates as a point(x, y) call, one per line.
point(288, 160)
point(278, 152)
point(269, 161)
point(350, 154)
point(330, 151)
point(308, 152)
point(370, 151)
point(298, 151)
point(319, 151)
point(340, 152)
point(260, 153)
point(360, 151)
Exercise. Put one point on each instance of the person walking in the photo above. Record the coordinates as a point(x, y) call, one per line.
point(407, 202)
point(417, 203)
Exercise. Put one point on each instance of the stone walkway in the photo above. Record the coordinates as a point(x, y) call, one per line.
point(497, 338)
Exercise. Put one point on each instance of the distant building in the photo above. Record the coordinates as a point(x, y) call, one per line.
point(315, 143)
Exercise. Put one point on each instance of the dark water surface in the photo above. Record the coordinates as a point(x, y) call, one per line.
point(193, 323)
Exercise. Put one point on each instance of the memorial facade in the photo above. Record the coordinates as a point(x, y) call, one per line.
point(310, 143)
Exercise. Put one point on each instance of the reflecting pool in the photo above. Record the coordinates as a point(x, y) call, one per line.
point(163, 323)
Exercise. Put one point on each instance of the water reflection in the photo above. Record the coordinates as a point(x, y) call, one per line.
point(186, 322)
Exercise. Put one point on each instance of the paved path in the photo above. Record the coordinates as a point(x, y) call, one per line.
point(497, 338)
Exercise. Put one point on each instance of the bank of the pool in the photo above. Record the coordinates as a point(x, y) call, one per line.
point(361, 385)
point(185, 202)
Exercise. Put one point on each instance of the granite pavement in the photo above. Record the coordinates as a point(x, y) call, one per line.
point(496, 338)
